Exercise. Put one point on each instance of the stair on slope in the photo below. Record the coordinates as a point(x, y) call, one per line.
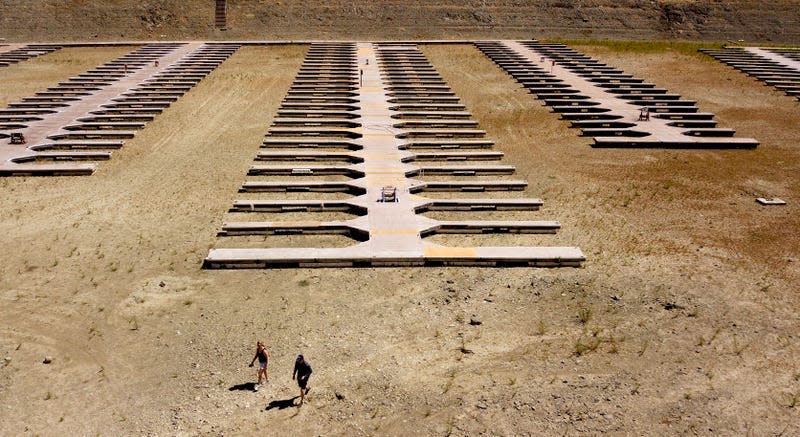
point(220, 15)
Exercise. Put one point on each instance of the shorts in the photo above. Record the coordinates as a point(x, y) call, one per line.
point(302, 381)
point(262, 366)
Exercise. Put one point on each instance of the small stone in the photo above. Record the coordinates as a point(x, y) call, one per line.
point(48, 359)
point(162, 284)
point(339, 396)
point(7, 360)
point(482, 406)
point(474, 321)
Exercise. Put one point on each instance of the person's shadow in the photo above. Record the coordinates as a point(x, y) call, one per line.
point(247, 386)
point(281, 404)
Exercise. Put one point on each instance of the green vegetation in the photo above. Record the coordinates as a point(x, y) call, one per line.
point(582, 347)
point(683, 47)
point(584, 314)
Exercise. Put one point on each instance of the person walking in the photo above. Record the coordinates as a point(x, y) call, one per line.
point(263, 362)
point(303, 371)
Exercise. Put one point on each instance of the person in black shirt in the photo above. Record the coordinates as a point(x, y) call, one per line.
point(263, 362)
point(303, 371)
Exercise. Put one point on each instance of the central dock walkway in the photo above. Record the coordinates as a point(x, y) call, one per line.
point(393, 226)
point(394, 104)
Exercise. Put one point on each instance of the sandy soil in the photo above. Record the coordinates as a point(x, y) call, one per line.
point(682, 321)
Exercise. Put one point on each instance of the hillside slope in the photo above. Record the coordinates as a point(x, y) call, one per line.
point(752, 20)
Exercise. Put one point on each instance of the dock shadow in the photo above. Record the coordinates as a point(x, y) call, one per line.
point(247, 386)
point(281, 404)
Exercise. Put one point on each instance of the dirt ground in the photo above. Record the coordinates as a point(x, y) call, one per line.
point(682, 321)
